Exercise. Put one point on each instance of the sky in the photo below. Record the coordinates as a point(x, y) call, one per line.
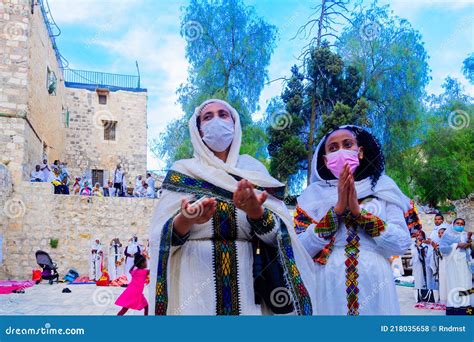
point(110, 35)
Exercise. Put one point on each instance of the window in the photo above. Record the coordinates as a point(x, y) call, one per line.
point(109, 129)
point(51, 81)
point(98, 177)
point(102, 99)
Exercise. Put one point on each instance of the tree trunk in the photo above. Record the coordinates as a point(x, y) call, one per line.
point(312, 125)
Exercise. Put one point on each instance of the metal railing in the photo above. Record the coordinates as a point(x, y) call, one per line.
point(101, 79)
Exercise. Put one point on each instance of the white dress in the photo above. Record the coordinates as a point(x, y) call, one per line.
point(376, 293)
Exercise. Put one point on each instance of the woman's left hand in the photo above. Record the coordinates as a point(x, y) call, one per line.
point(352, 201)
point(247, 200)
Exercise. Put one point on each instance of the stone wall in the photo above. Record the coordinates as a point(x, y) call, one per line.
point(29, 116)
point(87, 148)
point(36, 215)
point(465, 209)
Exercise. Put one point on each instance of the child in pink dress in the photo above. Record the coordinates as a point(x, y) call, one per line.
point(132, 297)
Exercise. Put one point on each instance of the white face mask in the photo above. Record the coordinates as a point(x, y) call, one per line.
point(218, 134)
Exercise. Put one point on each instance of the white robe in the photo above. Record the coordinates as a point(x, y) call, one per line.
point(376, 288)
point(458, 277)
point(418, 268)
point(131, 249)
point(96, 259)
point(189, 283)
point(115, 255)
point(377, 293)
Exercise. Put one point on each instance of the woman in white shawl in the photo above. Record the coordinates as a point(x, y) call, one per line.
point(201, 253)
point(96, 260)
point(455, 245)
point(351, 219)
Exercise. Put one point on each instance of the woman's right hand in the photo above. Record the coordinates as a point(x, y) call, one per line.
point(342, 191)
point(193, 213)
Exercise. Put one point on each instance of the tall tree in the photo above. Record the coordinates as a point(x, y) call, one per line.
point(326, 16)
point(468, 68)
point(228, 48)
point(391, 59)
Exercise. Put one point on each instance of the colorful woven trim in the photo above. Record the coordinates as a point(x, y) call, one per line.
point(179, 182)
point(161, 289)
point(224, 257)
point(352, 289)
point(277, 192)
point(263, 225)
point(372, 224)
point(301, 220)
point(412, 219)
point(328, 225)
point(323, 255)
point(301, 299)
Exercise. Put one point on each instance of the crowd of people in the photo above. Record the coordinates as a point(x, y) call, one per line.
point(442, 265)
point(120, 259)
point(58, 175)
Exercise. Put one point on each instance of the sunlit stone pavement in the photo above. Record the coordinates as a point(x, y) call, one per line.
point(45, 299)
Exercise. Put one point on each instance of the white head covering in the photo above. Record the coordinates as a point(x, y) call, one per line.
point(321, 194)
point(206, 166)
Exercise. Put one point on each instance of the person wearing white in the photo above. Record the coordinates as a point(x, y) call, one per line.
point(47, 174)
point(351, 221)
point(202, 254)
point(455, 245)
point(420, 258)
point(116, 267)
point(151, 185)
point(138, 189)
point(150, 192)
point(96, 260)
point(119, 180)
point(130, 252)
point(37, 175)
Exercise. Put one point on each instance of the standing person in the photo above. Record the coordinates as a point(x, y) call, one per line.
point(96, 260)
point(151, 185)
point(46, 171)
point(112, 190)
point(420, 264)
point(220, 212)
point(455, 245)
point(436, 263)
point(115, 259)
point(132, 297)
point(438, 223)
point(118, 181)
point(130, 251)
point(351, 220)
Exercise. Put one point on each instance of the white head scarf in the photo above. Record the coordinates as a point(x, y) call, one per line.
point(206, 166)
point(321, 194)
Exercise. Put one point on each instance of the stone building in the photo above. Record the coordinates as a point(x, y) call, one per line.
point(91, 120)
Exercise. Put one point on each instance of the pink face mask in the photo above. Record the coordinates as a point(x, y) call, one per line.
point(336, 160)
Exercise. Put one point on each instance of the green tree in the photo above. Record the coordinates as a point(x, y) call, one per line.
point(391, 59)
point(442, 170)
point(468, 68)
point(228, 48)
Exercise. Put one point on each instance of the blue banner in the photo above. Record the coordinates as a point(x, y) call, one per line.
point(288, 329)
